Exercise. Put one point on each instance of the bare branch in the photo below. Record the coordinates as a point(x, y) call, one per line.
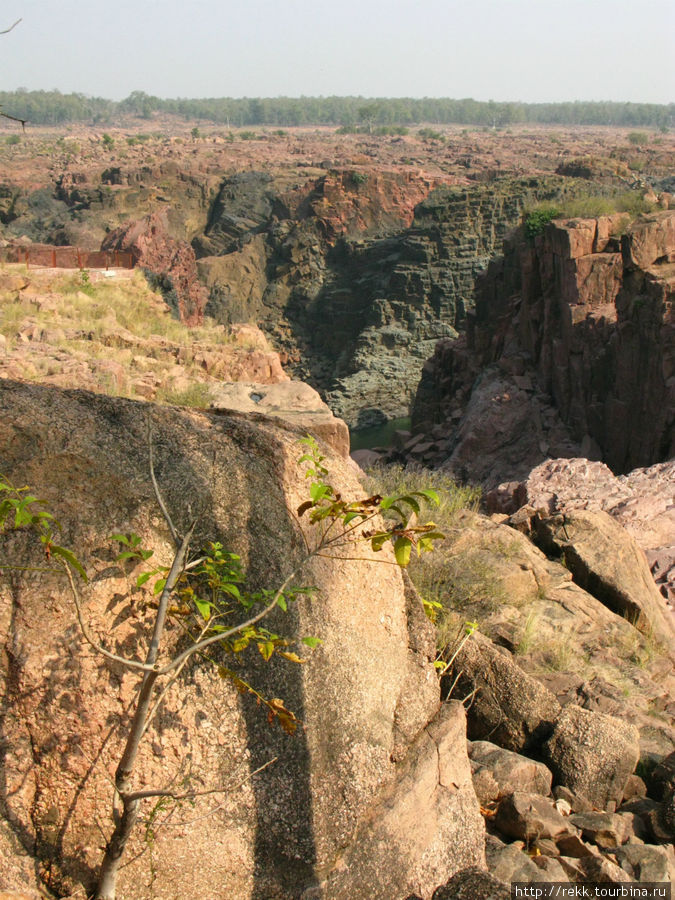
point(129, 663)
point(192, 795)
point(7, 30)
point(211, 812)
point(158, 495)
point(167, 686)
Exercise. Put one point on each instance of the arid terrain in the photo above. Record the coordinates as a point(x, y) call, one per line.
point(504, 297)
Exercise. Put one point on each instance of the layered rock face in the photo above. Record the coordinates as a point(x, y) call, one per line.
point(358, 274)
point(575, 328)
point(339, 811)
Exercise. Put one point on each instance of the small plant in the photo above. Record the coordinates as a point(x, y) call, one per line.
point(197, 395)
point(85, 283)
point(538, 218)
point(528, 634)
point(107, 140)
point(428, 134)
point(194, 134)
point(358, 178)
point(13, 140)
point(638, 138)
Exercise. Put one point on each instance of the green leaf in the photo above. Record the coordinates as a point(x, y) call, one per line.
point(429, 495)
point(318, 491)
point(412, 503)
point(204, 608)
point(402, 548)
point(281, 603)
point(140, 581)
point(312, 641)
point(159, 586)
point(70, 558)
point(122, 538)
point(126, 554)
point(378, 540)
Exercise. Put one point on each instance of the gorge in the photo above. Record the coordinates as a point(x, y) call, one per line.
point(391, 275)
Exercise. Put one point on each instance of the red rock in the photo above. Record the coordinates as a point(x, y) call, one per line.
point(155, 249)
point(649, 240)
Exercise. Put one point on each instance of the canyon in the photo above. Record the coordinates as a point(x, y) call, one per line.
point(292, 284)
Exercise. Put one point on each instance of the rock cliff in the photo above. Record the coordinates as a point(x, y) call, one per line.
point(357, 275)
point(569, 353)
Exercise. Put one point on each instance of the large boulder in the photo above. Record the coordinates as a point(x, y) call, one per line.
point(509, 771)
point(606, 561)
point(640, 501)
point(592, 754)
point(367, 698)
point(473, 884)
point(293, 401)
point(509, 707)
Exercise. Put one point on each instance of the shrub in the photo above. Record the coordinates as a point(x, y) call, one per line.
point(538, 218)
point(638, 138)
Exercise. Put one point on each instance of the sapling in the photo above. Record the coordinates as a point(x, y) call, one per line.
point(206, 597)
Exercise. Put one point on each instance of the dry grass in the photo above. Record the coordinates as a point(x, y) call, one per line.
point(77, 322)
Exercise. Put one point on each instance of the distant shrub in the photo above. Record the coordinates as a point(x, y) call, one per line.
point(358, 177)
point(107, 141)
point(586, 206)
point(428, 134)
point(638, 138)
point(538, 218)
point(13, 139)
point(247, 136)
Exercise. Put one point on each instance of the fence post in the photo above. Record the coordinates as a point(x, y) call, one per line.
point(53, 259)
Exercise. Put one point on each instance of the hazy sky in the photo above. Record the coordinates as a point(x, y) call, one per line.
point(530, 50)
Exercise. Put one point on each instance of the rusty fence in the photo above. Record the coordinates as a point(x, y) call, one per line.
point(68, 257)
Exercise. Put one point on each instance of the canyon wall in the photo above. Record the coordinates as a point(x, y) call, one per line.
point(357, 275)
point(570, 352)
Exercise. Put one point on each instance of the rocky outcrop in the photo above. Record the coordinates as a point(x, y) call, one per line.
point(374, 758)
point(170, 260)
point(605, 561)
point(120, 338)
point(293, 401)
point(578, 326)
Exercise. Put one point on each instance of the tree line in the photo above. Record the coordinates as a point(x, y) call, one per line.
point(55, 108)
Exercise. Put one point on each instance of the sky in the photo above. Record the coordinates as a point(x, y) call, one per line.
point(518, 50)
